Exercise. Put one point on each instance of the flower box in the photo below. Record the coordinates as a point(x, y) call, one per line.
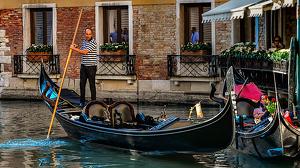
point(36, 56)
point(284, 64)
point(192, 57)
point(113, 56)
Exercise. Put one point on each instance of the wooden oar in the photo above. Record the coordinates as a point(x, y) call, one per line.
point(62, 81)
point(242, 88)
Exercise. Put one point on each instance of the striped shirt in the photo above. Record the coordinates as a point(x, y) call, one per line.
point(90, 59)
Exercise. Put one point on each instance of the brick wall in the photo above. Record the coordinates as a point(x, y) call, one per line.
point(67, 19)
point(223, 34)
point(11, 22)
point(154, 38)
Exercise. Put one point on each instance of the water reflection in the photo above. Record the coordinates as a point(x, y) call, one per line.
point(23, 131)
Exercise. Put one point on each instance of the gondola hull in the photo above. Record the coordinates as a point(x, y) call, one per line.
point(280, 139)
point(276, 138)
point(211, 135)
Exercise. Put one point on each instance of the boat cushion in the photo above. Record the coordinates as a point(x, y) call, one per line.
point(95, 108)
point(126, 110)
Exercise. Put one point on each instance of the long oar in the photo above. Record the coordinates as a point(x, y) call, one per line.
point(62, 81)
point(242, 88)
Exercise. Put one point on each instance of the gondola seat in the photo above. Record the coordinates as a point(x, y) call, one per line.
point(122, 114)
point(95, 109)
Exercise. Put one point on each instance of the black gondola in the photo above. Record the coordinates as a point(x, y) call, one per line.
point(272, 137)
point(174, 135)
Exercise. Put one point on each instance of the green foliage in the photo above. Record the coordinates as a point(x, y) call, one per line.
point(271, 107)
point(196, 47)
point(114, 47)
point(248, 51)
point(280, 55)
point(40, 48)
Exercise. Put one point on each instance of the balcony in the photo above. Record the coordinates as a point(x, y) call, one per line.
point(260, 72)
point(116, 65)
point(199, 66)
point(31, 64)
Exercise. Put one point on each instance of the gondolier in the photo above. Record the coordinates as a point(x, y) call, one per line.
point(88, 65)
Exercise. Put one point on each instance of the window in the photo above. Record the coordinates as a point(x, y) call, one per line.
point(247, 29)
point(193, 18)
point(116, 25)
point(41, 26)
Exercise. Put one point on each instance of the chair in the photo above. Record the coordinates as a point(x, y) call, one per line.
point(122, 114)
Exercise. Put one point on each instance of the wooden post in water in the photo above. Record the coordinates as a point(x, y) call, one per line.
point(291, 74)
point(297, 55)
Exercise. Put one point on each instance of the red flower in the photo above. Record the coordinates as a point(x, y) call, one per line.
point(266, 96)
point(273, 99)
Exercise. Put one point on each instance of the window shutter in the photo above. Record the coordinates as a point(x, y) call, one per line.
point(194, 18)
point(39, 27)
point(124, 18)
point(206, 27)
point(49, 28)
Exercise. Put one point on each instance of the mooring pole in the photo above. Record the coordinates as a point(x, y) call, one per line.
point(297, 55)
point(291, 74)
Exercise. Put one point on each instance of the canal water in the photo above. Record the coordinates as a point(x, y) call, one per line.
point(24, 126)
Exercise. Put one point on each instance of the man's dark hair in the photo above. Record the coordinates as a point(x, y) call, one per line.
point(88, 29)
point(194, 28)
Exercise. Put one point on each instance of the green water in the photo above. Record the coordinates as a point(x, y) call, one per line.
point(24, 126)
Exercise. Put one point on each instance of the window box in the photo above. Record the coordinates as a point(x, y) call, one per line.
point(36, 56)
point(113, 56)
point(193, 56)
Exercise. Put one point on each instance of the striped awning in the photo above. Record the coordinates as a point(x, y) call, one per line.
point(233, 9)
point(285, 3)
point(258, 9)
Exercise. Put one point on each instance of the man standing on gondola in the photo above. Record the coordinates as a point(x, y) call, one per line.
point(88, 65)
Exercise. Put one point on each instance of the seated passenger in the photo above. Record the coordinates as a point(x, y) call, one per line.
point(261, 110)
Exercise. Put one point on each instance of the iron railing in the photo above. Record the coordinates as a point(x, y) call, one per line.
point(116, 65)
point(31, 64)
point(260, 72)
point(192, 65)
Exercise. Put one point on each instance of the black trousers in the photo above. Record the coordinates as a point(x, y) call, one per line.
point(87, 72)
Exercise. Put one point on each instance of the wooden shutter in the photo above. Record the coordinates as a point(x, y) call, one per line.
point(206, 27)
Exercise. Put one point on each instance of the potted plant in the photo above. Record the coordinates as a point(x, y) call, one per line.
point(36, 52)
point(280, 59)
point(245, 55)
point(113, 50)
point(195, 49)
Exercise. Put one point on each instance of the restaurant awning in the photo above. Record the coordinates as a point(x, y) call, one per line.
point(233, 9)
point(258, 9)
point(285, 3)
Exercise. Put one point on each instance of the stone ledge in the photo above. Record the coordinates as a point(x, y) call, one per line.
point(26, 76)
point(130, 79)
point(5, 59)
point(177, 80)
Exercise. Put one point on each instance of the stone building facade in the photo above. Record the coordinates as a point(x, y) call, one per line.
point(154, 37)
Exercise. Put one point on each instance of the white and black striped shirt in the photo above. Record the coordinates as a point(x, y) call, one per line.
point(90, 59)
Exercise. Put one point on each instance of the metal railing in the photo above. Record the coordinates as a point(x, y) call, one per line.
point(116, 65)
point(31, 64)
point(259, 72)
point(193, 65)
